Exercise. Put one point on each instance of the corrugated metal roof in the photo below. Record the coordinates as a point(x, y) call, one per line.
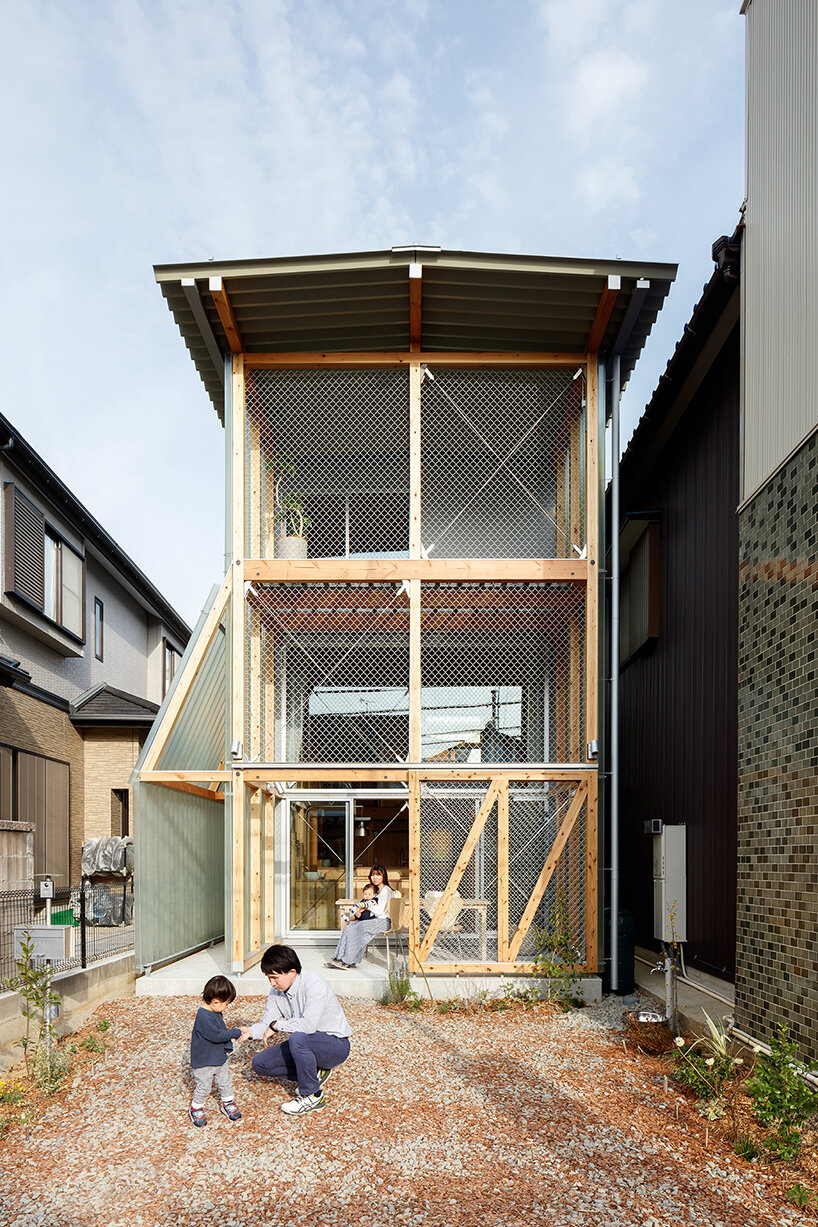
point(359, 302)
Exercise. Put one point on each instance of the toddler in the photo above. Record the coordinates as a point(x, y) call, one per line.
point(362, 912)
point(209, 1045)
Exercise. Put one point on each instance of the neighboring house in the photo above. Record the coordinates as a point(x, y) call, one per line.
point(719, 703)
point(678, 625)
point(403, 660)
point(777, 952)
point(88, 648)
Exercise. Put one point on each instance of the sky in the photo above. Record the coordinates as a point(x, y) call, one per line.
point(142, 132)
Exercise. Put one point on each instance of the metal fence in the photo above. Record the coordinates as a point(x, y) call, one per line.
point(100, 914)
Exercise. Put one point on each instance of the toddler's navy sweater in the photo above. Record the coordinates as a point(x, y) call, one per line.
point(211, 1040)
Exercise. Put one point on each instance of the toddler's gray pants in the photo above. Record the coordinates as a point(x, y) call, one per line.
point(203, 1080)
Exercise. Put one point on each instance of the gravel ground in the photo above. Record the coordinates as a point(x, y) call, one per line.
point(486, 1119)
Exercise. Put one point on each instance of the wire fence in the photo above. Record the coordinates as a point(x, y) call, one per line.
point(100, 915)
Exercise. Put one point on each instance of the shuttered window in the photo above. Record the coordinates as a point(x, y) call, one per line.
point(42, 568)
point(25, 547)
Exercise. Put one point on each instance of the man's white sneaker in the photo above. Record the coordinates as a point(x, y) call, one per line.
point(303, 1103)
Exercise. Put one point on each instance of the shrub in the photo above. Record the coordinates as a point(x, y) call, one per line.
point(780, 1095)
point(745, 1147)
point(49, 1068)
point(557, 956)
point(398, 984)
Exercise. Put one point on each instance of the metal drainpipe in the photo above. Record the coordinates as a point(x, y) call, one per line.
point(615, 673)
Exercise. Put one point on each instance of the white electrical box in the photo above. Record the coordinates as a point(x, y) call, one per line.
point(670, 884)
point(54, 942)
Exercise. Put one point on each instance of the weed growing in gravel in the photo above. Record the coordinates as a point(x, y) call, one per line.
point(557, 956)
point(799, 1196)
point(103, 1024)
point(745, 1147)
point(92, 1044)
point(780, 1095)
point(11, 1092)
point(50, 1068)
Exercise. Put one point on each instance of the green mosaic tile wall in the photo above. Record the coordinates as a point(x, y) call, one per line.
point(777, 912)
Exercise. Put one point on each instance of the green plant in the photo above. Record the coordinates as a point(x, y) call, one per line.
point(4, 1126)
point(412, 1000)
point(11, 1092)
point(398, 984)
point(557, 956)
point(706, 1065)
point(33, 982)
point(103, 1025)
point(780, 1095)
point(92, 1044)
point(713, 1109)
point(50, 1067)
point(745, 1147)
point(289, 506)
point(799, 1196)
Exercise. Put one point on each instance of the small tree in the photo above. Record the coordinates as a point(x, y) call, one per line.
point(33, 982)
point(780, 1095)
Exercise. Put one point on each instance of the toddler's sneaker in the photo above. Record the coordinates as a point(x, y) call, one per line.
point(230, 1110)
point(197, 1116)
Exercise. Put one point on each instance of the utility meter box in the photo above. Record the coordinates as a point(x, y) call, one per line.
point(670, 884)
point(54, 942)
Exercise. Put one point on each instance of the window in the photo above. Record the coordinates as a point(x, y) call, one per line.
point(42, 569)
point(639, 593)
point(98, 627)
point(120, 823)
point(170, 660)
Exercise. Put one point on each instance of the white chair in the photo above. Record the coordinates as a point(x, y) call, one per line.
point(450, 922)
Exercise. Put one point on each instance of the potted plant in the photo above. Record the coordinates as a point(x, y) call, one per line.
point(289, 513)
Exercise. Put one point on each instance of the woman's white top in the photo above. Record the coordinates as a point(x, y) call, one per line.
point(379, 906)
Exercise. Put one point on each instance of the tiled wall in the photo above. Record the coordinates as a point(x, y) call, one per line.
point(777, 915)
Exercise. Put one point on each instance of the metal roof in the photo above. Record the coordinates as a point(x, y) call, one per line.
point(359, 303)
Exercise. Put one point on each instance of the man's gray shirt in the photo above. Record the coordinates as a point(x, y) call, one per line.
point(309, 1005)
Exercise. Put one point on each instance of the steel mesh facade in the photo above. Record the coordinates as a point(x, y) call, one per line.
point(334, 444)
point(502, 669)
point(503, 464)
point(328, 673)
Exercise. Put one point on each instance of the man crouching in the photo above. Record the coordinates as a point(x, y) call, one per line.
point(303, 1005)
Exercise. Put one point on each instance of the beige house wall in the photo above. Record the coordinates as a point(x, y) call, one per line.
point(38, 728)
point(110, 757)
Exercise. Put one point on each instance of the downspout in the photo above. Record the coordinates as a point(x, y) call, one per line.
point(614, 767)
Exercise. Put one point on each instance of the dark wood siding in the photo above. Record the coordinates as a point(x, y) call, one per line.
point(678, 696)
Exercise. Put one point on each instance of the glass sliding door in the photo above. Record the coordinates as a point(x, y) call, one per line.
point(319, 843)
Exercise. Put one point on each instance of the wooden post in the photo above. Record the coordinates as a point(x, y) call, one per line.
point(592, 875)
point(414, 460)
point(237, 667)
point(415, 677)
point(592, 554)
point(502, 872)
point(268, 866)
point(256, 838)
point(414, 870)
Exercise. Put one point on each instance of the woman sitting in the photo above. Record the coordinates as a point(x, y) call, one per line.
point(356, 937)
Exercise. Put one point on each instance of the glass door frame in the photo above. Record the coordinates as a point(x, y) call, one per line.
point(337, 796)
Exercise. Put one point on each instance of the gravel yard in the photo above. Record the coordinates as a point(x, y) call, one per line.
point(516, 1117)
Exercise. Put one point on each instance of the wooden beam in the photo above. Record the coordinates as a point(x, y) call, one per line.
point(548, 868)
point(445, 901)
point(428, 570)
point(182, 786)
point(502, 870)
point(225, 311)
point(592, 555)
point(185, 777)
point(480, 969)
point(415, 292)
point(603, 314)
point(453, 358)
point(191, 669)
point(295, 773)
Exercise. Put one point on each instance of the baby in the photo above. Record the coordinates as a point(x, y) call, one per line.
point(362, 912)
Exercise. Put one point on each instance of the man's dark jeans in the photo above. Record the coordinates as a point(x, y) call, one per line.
point(300, 1057)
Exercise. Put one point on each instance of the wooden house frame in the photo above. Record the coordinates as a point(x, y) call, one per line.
point(405, 622)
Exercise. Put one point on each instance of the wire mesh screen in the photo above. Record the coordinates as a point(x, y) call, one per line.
point(502, 670)
point(327, 464)
point(537, 811)
point(468, 932)
point(503, 471)
point(328, 673)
